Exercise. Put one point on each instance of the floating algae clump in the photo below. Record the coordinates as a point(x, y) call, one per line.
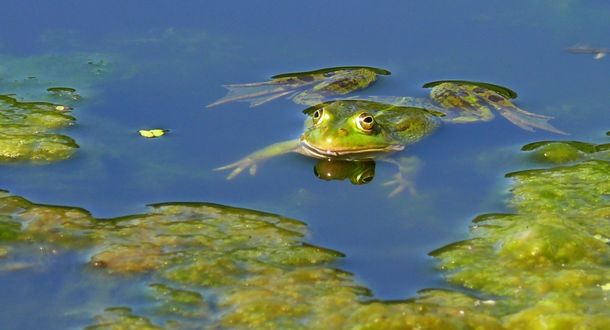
point(546, 266)
point(33, 108)
point(561, 152)
point(26, 131)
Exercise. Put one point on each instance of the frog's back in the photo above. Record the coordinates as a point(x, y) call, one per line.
point(407, 124)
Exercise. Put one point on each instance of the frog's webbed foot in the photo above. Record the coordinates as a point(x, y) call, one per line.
point(250, 162)
point(401, 184)
point(255, 93)
point(238, 167)
point(407, 166)
point(527, 120)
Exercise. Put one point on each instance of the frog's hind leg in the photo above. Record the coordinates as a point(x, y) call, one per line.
point(255, 93)
point(474, 101)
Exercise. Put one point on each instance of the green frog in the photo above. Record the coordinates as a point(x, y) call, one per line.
point(359, 128)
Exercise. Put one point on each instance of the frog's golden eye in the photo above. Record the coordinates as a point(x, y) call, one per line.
point(317, 116)
point(365, 122)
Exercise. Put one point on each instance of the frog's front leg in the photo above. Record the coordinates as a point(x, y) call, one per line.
point(252, 160)
point(407, 167)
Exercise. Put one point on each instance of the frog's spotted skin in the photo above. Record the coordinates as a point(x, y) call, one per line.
point(309, 88)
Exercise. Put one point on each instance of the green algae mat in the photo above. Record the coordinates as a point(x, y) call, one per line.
point(546, 265)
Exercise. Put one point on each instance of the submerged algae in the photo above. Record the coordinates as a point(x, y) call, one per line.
point(211, 266)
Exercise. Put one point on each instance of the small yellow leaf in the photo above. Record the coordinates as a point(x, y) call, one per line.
point(606, 287)
point(152, 133)
point(157, 132)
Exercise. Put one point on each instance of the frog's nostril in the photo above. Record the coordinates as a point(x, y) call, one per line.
point(342, 132)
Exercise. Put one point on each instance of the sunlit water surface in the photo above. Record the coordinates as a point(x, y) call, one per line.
point(171, 59)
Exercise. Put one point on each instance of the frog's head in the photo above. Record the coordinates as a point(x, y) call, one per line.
point(345, 129)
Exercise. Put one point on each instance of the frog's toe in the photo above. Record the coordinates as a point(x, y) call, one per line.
point(401, 184)
point(400, 188)
point(226, 167)
point(238, 167)
point(234, 173)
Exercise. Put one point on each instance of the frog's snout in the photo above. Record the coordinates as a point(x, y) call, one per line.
point(342, 132)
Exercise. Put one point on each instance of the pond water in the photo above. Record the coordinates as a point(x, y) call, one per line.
point(167, 61)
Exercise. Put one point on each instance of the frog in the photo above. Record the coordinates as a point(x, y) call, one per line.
point(363, 128)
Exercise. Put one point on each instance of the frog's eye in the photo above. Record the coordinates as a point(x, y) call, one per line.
point(317, 116)
point(365, 122)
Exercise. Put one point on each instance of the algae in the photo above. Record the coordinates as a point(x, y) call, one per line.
point(215, 266)
point(116, 318)
point(33, 108)
point(548, 261)
point(26, 131)
point(210, 266)
point(561, 152)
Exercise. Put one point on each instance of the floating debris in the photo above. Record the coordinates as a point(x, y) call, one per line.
point(598, 53)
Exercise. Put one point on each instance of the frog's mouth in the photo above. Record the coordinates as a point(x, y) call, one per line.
point(313, 151)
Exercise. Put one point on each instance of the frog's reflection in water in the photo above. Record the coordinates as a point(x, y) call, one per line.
point(357, 171)
point(363, 171)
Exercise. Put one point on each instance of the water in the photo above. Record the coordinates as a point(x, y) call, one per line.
point(170, 61)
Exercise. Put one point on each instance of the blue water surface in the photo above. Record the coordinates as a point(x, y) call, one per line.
point(170, 59)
